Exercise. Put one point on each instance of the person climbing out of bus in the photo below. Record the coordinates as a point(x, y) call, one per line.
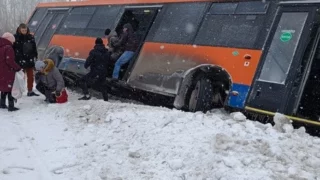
point(26, 53)
point(129, 42)
point(49, 82)
point(97, 61)
point(130, 18)
point(114, 51)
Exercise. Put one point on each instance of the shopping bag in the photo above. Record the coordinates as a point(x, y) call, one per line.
point(63, 98)
point(19, 85)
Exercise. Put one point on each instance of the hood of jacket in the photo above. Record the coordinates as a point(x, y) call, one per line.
point(100, 47)
point(18, 32)
point(49, 66)
point(129, 27)
point(4, 42)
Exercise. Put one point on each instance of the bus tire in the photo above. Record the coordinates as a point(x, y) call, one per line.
point(201, 95)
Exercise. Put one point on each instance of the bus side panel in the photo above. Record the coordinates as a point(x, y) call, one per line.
point(160, 67)
point(74, 46)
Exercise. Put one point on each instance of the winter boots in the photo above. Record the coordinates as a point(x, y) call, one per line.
point(11, 107)
point(11, 102)
point(3, 102)
point(86, 97)
point(32, 94)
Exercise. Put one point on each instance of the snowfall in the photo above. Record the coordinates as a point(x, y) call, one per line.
point(124, 140)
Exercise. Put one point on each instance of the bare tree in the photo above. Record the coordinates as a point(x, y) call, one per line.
point(14, 12)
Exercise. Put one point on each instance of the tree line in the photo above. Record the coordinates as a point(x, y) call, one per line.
point(14, 12)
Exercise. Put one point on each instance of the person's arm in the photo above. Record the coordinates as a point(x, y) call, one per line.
point(9, 54)
point(59, 79)
point(34, 46)
point(89, 60)
point(37, 77)
point(123, 39)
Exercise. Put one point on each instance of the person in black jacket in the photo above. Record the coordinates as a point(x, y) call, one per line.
point(98, 62)
point(26, 53)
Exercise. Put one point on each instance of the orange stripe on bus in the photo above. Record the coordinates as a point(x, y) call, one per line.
point(232, 59)
point(75, 46)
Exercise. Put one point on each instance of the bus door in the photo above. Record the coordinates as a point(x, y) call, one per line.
point(281, 61)
point(141, 19)
point(47, 28)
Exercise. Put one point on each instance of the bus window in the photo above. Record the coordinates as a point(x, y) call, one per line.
point(258, 7)
point(103, 18)
point(223, 8)
point(36, 19)
point(177, 23)
point(279, 58)
point(231, 30)
point(77, 21)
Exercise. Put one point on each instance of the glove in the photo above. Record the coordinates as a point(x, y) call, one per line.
point(37, 76)
point(58, 93)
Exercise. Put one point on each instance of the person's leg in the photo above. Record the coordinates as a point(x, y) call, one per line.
point(84, 83)
point(41, 88)
point(3, 100)
point(11, 103)
point(102, 88)
point(124, 58)
point(30, 79)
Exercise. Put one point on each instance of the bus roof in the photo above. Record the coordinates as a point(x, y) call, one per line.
point(109, 2)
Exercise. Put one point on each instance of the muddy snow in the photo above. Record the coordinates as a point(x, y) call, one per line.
point(98, 140)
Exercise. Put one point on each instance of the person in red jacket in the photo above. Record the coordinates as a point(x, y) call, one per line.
point(8, 69)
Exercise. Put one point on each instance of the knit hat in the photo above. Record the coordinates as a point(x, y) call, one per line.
point(40, 65)
point(9, 37)
point(99, 41)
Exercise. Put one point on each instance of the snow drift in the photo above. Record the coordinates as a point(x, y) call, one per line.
point(98, 140)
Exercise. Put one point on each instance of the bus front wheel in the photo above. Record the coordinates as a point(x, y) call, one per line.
point(201, 95)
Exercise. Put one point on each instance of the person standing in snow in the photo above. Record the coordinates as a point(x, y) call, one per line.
point(8, 68)
point(26, 53)
point(98, 62)
point(129, 42)
point(49, 80)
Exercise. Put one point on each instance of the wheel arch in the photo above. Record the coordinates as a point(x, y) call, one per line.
point(214, 72)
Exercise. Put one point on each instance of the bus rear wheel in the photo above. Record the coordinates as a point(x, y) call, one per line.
point(202, 95)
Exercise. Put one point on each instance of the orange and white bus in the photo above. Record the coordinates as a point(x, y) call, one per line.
point(252, 55)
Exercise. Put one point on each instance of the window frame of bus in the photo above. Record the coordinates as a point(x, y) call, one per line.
point(90, 29)
point(237, 13)
point(156, 33)
point(265, 74)
point(38, 15)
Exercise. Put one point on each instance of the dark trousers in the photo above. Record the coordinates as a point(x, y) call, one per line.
point(47, 92)
point(4, 96)
point(96, 81)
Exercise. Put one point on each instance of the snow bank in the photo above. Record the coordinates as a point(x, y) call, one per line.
point(98, 140)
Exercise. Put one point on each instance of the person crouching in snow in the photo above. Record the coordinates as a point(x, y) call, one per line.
point(8, 69)
point(98, 62)
point(49, 80)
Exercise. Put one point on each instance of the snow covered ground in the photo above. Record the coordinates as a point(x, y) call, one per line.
point(98, 140)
